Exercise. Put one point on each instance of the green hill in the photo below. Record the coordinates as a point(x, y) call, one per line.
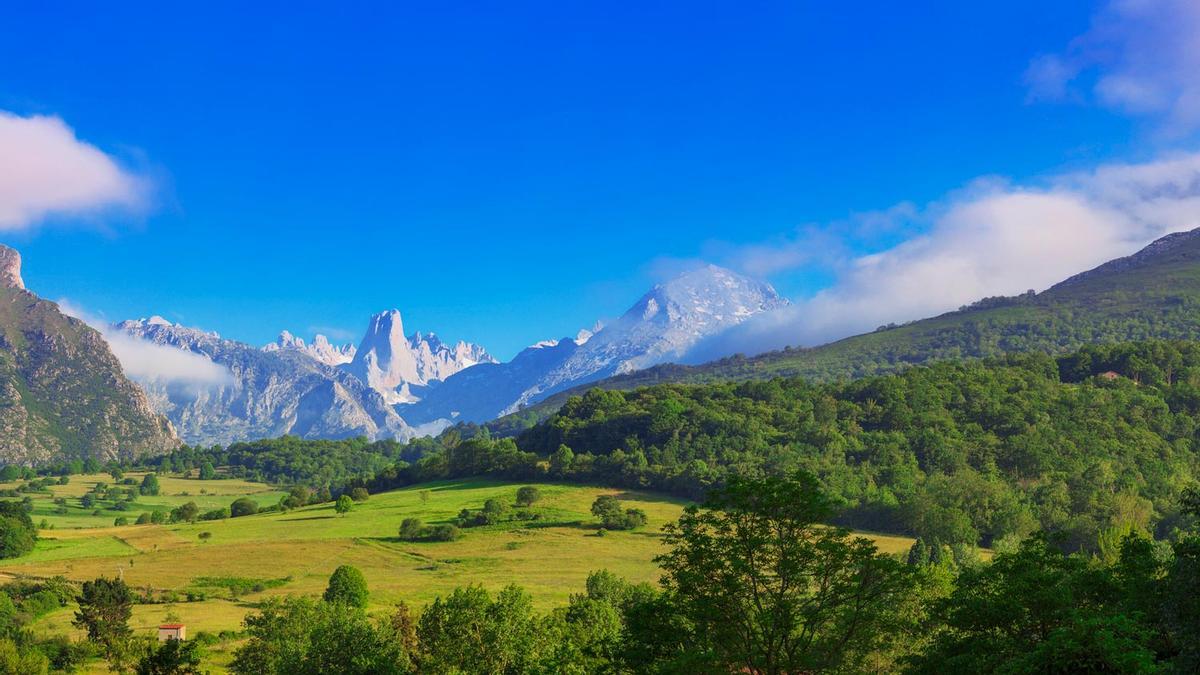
point(1153, 294)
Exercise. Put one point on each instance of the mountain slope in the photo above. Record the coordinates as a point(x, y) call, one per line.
point(272, 393)
point(63, 394)
point(1154, 293)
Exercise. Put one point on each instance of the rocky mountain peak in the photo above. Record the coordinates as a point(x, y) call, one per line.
point(391, 363)
point(321, 349)
point(10, 268)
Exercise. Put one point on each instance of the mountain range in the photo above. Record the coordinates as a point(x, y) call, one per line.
point(398, 385)
point(395, 385)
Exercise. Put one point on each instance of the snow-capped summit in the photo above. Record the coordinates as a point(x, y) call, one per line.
point(661, 326)
point(392, 364)
point(321, 348)
point(666, 322)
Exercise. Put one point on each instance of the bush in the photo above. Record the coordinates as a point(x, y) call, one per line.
point(143, 519)
point(120, 521)
point(215, 514)
point(17, 533)
point(359, 494)
point(527, 495)
point(149, 486)
point(412, 529)
point(443, 533)
point(243, 506)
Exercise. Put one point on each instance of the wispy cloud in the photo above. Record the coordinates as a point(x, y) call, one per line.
point(146, 361)
point(1139, 57)
point(992, 238)
point(45, 171)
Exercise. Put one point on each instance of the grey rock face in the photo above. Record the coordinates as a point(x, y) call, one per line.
point(10, 268)
point(272, 393)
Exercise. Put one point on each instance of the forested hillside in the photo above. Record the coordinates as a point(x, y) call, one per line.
point(1091, 445)
point(1153, 294)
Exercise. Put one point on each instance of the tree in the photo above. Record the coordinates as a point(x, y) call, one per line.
point(172, 657)
point(17, 533)
point(105, 606)
point(359, 494)
point(298, 636)
point(343, 505)
point(207, 471)
point(608, 509)
point(347, 585)
point(1037, 610)
point(469, 632)
point(149, 486)
point(243, 506)
point(768, 588)
point(527, 495)
point(186, 513)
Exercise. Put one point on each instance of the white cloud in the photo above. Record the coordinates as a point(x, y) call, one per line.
point(146, 361)
point(1140, 57)
point(993, 238)
point(46, 171)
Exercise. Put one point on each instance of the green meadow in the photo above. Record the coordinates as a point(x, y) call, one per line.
point(243, 560)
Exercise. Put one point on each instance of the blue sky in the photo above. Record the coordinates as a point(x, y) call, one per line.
point(509, 172)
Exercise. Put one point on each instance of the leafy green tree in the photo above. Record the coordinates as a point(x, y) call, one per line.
point(359, 494)
point(527, 495)
point(207, 471)
point(186, 513)
point(17, 532)
point(768, 588)
point(243, 506)
point(343, 505)
point(105, 606)
point(1037, 610)
point(469, 632)
point(297, 636)
point(347, 585)
point(18, 660)
point(149, 486)
point(172, 657)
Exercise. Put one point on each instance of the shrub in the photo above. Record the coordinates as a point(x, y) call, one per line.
point(527, 495)
point(412, 529)
point(121, 521)
point(443, 533)
point(359, 494)
point(215, 514)
point(243, 506)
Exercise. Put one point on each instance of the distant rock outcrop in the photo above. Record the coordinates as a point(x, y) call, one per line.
point(320, 349)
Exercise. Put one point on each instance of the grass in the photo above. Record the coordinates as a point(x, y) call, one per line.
point(254, 557)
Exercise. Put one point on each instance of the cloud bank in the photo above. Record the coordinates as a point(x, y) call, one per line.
point(1139, 57)
point(46, 171)
point(150, 362)
point(992, 238)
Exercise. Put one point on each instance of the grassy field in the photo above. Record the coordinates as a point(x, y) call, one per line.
point(295, 552)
